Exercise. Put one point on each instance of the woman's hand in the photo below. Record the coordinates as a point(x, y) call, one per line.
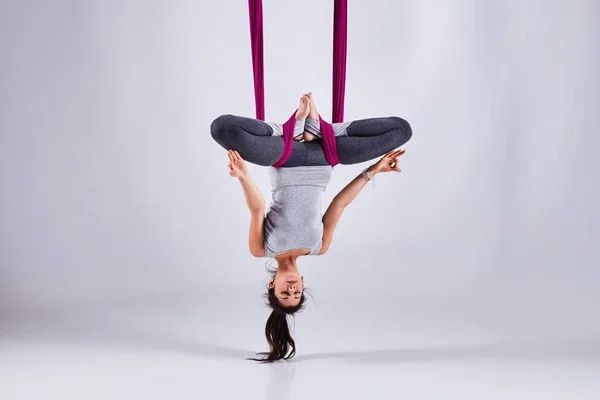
point(237, 166)
point(387, 163)
point(303, 108)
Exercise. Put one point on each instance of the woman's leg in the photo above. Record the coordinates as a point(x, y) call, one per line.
point(255, 142)
point(361, 140)
point(252, 138)
point(312, 127)
point(371, 138)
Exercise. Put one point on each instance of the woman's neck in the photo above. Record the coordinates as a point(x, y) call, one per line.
point(287, 260)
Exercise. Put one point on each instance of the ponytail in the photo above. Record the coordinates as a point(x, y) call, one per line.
point(277, 330)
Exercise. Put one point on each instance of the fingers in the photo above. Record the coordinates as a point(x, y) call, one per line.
point(230, 166)
point(396, 153)
point(236, 164)
point(395, 165)
point(234, 156)
point(391, 159)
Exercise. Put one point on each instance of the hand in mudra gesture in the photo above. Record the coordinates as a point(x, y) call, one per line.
point(237, 165)
point(388, 163)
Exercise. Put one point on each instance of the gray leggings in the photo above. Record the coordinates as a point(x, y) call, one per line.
point(366, 139)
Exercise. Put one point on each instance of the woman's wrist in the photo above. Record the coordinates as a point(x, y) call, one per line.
point(372, 170)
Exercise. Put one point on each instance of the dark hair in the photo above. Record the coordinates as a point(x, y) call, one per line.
point(277, 330)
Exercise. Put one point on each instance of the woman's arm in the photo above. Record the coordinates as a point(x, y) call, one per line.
point(334, 212)
point(256, 205)
point(338, 205)
point(254, 200)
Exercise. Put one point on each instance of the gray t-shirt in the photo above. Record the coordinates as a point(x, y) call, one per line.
point(294, 219)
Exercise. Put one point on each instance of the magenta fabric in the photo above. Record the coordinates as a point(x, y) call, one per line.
point(340, 41)
point(256, 39)
point(340, 35)
point(329, 143)
point(288, 140)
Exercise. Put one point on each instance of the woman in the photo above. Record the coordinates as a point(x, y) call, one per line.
point(294, 226)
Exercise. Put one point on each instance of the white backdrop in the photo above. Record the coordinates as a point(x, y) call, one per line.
point(113, 192)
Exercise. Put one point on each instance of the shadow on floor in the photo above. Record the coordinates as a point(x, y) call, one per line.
point(92, 329)
point(114, 334)
point(585, 351)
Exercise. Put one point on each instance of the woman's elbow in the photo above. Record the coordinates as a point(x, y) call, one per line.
point(258, 253)
point(258, 208)
point(324, 248)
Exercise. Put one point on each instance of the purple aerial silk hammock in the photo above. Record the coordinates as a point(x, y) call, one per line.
point(340, 34)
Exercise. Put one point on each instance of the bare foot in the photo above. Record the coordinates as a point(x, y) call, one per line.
point(303, 107)
point(302, 113)
point(309, 137)
point(313, 109)
point(314, 114)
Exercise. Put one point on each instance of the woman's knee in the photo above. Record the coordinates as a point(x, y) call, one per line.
point(402, 127)
point(221, 126)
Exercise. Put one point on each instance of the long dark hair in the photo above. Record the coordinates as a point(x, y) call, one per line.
point(277, 330)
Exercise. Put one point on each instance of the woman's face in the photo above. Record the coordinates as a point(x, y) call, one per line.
point(288, 287)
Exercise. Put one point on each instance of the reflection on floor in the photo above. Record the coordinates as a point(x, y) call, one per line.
point(178, 353)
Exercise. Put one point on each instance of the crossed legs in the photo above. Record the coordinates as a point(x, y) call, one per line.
point(357, 141)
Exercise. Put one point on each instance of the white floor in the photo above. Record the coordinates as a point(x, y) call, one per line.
point(186, 351)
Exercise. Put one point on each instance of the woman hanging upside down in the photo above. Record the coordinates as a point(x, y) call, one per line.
point(357, 141)
point(294, 225)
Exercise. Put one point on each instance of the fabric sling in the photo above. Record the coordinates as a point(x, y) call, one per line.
point(340, 35)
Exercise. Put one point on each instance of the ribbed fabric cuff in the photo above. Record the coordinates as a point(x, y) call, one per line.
point(299, 127)
point(313, 126)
